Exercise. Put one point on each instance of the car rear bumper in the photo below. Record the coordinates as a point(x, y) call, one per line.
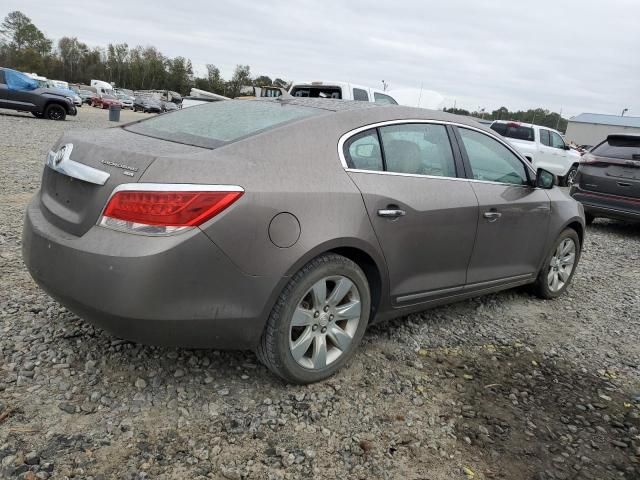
point(179, 290)
point(606, 205)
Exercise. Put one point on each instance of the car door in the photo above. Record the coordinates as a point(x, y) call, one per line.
point(552, 152)
point(3, 91)
point(425, 217)
point(513, 215)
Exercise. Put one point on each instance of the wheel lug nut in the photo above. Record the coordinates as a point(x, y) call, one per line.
point(324, 330)
point(314, 328)
point(316, 314)
point(326, 308)
point(330, 317)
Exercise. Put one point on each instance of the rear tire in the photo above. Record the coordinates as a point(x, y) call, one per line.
point(325, 304)
point(554, 277)
point(55, 112)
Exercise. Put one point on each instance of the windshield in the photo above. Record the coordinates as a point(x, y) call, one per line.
point(514, 130)
point(214, 124)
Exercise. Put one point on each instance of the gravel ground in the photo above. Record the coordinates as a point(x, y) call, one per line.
point(505, 386)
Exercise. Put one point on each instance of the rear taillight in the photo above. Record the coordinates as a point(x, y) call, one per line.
point(588, 158)
point(162, 209)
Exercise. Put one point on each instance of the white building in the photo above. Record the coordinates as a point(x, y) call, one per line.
point(593, 128)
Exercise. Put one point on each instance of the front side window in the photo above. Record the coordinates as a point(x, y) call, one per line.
point(545, 138)
point(360, 94)
point(556, 141)
point(384, 99)
point(363, 152)
point(418, 149)
point(490, 160)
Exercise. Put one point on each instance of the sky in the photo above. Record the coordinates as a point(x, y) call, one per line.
point(570, 55)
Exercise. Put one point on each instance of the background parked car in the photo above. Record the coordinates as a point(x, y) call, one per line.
point(125, 100)
point(87, 96)
point(542, 146)
point(169, 106)
point(341, 90)
point(147, 105)
point(608, 179)
point(105, 100)
point(21, 93)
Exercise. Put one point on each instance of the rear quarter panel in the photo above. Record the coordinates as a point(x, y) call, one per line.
point(293, 169)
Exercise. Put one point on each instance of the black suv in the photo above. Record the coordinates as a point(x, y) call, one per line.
point(21, 93)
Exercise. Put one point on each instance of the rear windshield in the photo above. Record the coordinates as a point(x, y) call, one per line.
point(317, 92)
point(513, 130)
point(626, 148)
point(216, 123)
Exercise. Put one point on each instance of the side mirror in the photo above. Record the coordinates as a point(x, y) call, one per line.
point(545, 179)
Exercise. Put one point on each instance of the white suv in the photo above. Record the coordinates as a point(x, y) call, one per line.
point(542, 146)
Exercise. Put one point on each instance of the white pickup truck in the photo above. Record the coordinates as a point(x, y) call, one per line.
point(341, 90)
point(542, 146)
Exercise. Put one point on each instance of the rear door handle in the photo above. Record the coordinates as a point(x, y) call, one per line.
point(391, 213)
point(492, 216)
point(624, 184)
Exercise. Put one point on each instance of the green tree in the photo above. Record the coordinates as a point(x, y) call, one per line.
point(241, 77)
point(262, 81)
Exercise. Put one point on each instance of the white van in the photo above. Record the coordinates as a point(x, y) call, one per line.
point(102, 87)
point(341, 90)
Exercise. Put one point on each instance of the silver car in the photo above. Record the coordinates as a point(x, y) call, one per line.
point(287, 226)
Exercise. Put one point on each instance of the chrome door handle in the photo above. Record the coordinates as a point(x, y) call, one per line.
point(492, 216)
point(391, 213)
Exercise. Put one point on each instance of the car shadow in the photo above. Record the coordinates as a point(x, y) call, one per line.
point(619, 227)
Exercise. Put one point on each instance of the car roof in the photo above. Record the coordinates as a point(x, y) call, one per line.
point(362, 113)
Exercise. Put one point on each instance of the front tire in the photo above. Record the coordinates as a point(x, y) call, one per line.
point(55, 112)
point(559, 266)
point(570, 177)
point(318, 320)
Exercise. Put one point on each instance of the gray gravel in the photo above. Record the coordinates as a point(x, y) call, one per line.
point(506, 386)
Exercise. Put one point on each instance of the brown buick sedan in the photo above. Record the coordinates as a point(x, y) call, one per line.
point(288, 226)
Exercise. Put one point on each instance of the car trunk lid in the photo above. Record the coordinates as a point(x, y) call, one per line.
point(73, 196)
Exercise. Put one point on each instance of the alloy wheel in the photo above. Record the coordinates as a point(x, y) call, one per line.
point(561, 265)
point(324, 322)
point(571, 177)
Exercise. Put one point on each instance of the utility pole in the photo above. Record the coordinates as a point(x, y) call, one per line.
point(385, 85)
point(559, 117)
point(624, 111)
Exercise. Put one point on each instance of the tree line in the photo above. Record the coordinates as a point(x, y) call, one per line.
point(24, 47)
point(539, 116)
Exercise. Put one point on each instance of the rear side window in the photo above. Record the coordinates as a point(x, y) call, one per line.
point(490, 160)
point(360, 94)
point(384, 99)
point(216, 123)
point(363, 151)
point(418, 149)
point(514, 130)
point(317, 92)
point(622, 147)
point(545, 139)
